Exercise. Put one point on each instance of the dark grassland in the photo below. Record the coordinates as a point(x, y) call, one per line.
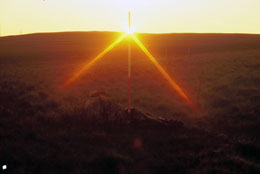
point(46, 127)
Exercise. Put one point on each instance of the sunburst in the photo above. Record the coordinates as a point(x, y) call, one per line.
point(130, 32)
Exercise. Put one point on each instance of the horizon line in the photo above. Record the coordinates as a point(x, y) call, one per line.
point(110, 31)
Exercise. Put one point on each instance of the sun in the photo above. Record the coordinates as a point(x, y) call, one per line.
point(129, 31)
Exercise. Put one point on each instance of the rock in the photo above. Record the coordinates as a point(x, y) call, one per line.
point(104, 110)
point(98, 93)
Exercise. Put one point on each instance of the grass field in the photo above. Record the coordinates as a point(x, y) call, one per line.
point(219, 72)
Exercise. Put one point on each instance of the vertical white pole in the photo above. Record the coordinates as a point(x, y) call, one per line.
point(129, 65)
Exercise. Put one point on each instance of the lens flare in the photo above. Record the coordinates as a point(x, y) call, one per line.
point(89, 64)
point(150, 56)
point(163, 72)
point(129, 29)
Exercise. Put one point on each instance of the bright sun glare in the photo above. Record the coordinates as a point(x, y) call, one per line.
point(129, 30)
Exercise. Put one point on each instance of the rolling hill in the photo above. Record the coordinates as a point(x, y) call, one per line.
point(46, 127)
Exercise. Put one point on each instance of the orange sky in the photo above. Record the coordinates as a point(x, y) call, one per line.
point(151, 16)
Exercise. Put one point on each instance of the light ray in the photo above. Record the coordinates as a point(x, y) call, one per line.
point(163, 72)
point(129, 64)
point(89, 64)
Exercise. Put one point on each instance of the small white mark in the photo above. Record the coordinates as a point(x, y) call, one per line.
point(4, 167)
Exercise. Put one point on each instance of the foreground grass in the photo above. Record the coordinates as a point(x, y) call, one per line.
point(39, 136)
